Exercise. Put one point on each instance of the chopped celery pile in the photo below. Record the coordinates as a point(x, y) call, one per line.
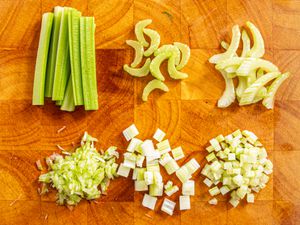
point(177, 56)
point(82, 174)
point(237, 164)
point(146, 157)
point(258, 79)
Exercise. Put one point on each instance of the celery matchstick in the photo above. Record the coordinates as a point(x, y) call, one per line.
point(68, 102)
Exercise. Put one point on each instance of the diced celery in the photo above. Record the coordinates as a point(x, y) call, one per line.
point(156, 189)
point(140, 185)
point(177, 153)
point(149, 201)
point(188, 188)
point(171, 166)
point(184, 202)
point(130, 132)
point(214, 191)
point(213, 201)
point(123, 171)
point(168, 206)
point(163, 147)
point(159, 135)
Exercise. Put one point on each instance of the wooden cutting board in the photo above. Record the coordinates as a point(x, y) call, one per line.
point(188, 113)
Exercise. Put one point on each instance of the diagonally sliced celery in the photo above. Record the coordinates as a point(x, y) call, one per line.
point(74, 46)
point(268, 101)
point(252, 64)
point(258, 48)
point(246, 43)
point(68, 103)
point(139, 52)
point(139, 31)
point(41, 60)
point(228, 96)
point(242, 85)
point(88, 63)
point(155, 41)
point(138, 72)
point(169, 48)
point(261, 93)
point(185, 54)
point(174, 73)
point(234, 61)
point(53, 50)
point(62, 65)
point(152, 85)
point(155, 65)
point(260, 72)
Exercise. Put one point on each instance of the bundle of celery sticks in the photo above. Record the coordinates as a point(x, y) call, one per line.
point(65, 69)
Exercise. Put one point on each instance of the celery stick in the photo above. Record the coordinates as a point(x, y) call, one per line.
point(62, 65)
point(41, 60)
point(88, 64)
point(52, 52)
point(68, 102)
point(59, 102)
point(74, 45)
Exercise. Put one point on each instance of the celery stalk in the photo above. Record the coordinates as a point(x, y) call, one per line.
point(41, 60)
point(68, 102)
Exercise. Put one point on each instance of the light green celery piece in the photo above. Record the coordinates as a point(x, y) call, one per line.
point(173, 72)
point(138, 72)
point(155, 41)
point(250, 93)
point(242, 85)
point(68, 103)
point(260, 72)
point(155, 65)
point(234, 61)
point(74, 46)
point(185, 54)
point(88, 63)
point(41, 60)
point(258, 48)
point(224, 45)
point(53, 51)
point(251, 78)
point(261, 94)
point(253, 64)
point(231, 69)
point(62, 64)
point(246, 43)
point(228, 96)
point(231, 51)
point(139, 52)
point(268, 101)
point(152, 85)
point(139, 31)
point(169, 48)
point(59, 102)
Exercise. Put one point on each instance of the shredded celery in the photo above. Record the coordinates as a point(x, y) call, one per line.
point(139, 31)
point(139, 52)
point(185, 54)
point(152, 85)
point(155, 41)
point(138, 72)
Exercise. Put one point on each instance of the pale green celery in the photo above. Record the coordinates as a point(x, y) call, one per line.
point(246, 43)
point(62, 64)
point(139, 31)
point(59, 102)
point(53, 50)
point(253, 64)
point(258, 48)
point(155, 41)
point(268, 101)
point(169, 48)
point(234, 61)
point(185, 54)
point(155, 65)
point(242, 85)
point(261, 94)
point(139, 52)
point(249, 94)
point(88, 63)
point(68, 102)
point(231, 75)
point(228, 96)
point(231, 51)
point(231, 70)
point(172, 70)
point(152, 85)
point(74, 46)
point(41, 60)
point(138, 72)
point(260, 72)
point(251, 78)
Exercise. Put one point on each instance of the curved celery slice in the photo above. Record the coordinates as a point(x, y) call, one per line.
point(155, 65)
point(250, 93)
point(174, 73)
point(68, 103)
point(246, 43)
point(224, 45)
point(41, 60)
point(139, 31)
point(261, 93)
point(258, 48)
point(268, 101)
point(228, 96)
point(253, 64)
point(139, 52)
point(185, 54)
point(234, 61)
point(152, 85)
point(155, 41)
point(242, 85)
point(231, 69)
point(138, 72)
point(236, 35)
point(251, 78)
point(169, 48)
point(260, 72)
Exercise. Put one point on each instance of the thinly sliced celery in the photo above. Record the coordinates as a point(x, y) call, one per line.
point(260, 72)
point(62, 64)
point(169, 48)
point(138, 72)
point(252, 64)
point(53, 51)
point(228, 96)
point(139, 31)
point(185, 54)
point(242, 85)
point(246, 43)
point(258, 48)
point(174, 73)
point(268, 101)
point(139, 52)
point(155, 41)
point(88, 63)
point(229, 62)
point(155, 65)
point(231, 51)
point(74, 46)
point(68, 103)
point(41, 60)
point(261, 94)
point(249, 94)
point(152, 85)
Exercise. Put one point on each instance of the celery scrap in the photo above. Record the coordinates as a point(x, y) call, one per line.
point(152, 85)
point(68, 103)
point(139, 52)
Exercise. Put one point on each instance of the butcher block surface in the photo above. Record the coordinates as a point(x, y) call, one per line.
point(188, 113)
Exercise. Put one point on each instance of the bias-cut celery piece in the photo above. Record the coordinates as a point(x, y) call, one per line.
point(228, 96)
point(74, 46)
point(260, 72)
point(185, 54)
point(169, 48)
point(62, 65)
point(261, 94)
point(68, 102)
point(234, 61)
point(173, 72)
point(53, 51)
point(41, 60)
point(253, 64)
point(155, 65)
point(155, 41)
point(88, 63)
point(139, 52)
point(152, 85)
point(268, 101)
point(138, 72)
point(258, 48)
point(246, 43)
point(242, 85)
point(139, 31)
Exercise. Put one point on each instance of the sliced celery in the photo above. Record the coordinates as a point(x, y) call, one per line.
point(261, 94)
point(152, 85)
point(229, 62)
point(246, 43)
point(41, 60)
point(169, 48)
point(155, 65)
point(228, 96)
point(139, 52)
point(185, 54)
point(138, 72)
point(68, 102)
point(174, 73)
point(252, 64)
point(155, 41)
point(258, 48)
point(139, 31)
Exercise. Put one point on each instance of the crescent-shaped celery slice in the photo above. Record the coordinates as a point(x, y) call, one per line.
point(262, 92)
point(155, 65)
point(169, 48)
point(155, 41)
point(246, 43)
point(185, 54)
point(152, 85)
point(253, 64)
point(258, 48)
point(139, 31)
point(138, 72)
point(139, 52)
point(174, 73)
point(228, 96)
